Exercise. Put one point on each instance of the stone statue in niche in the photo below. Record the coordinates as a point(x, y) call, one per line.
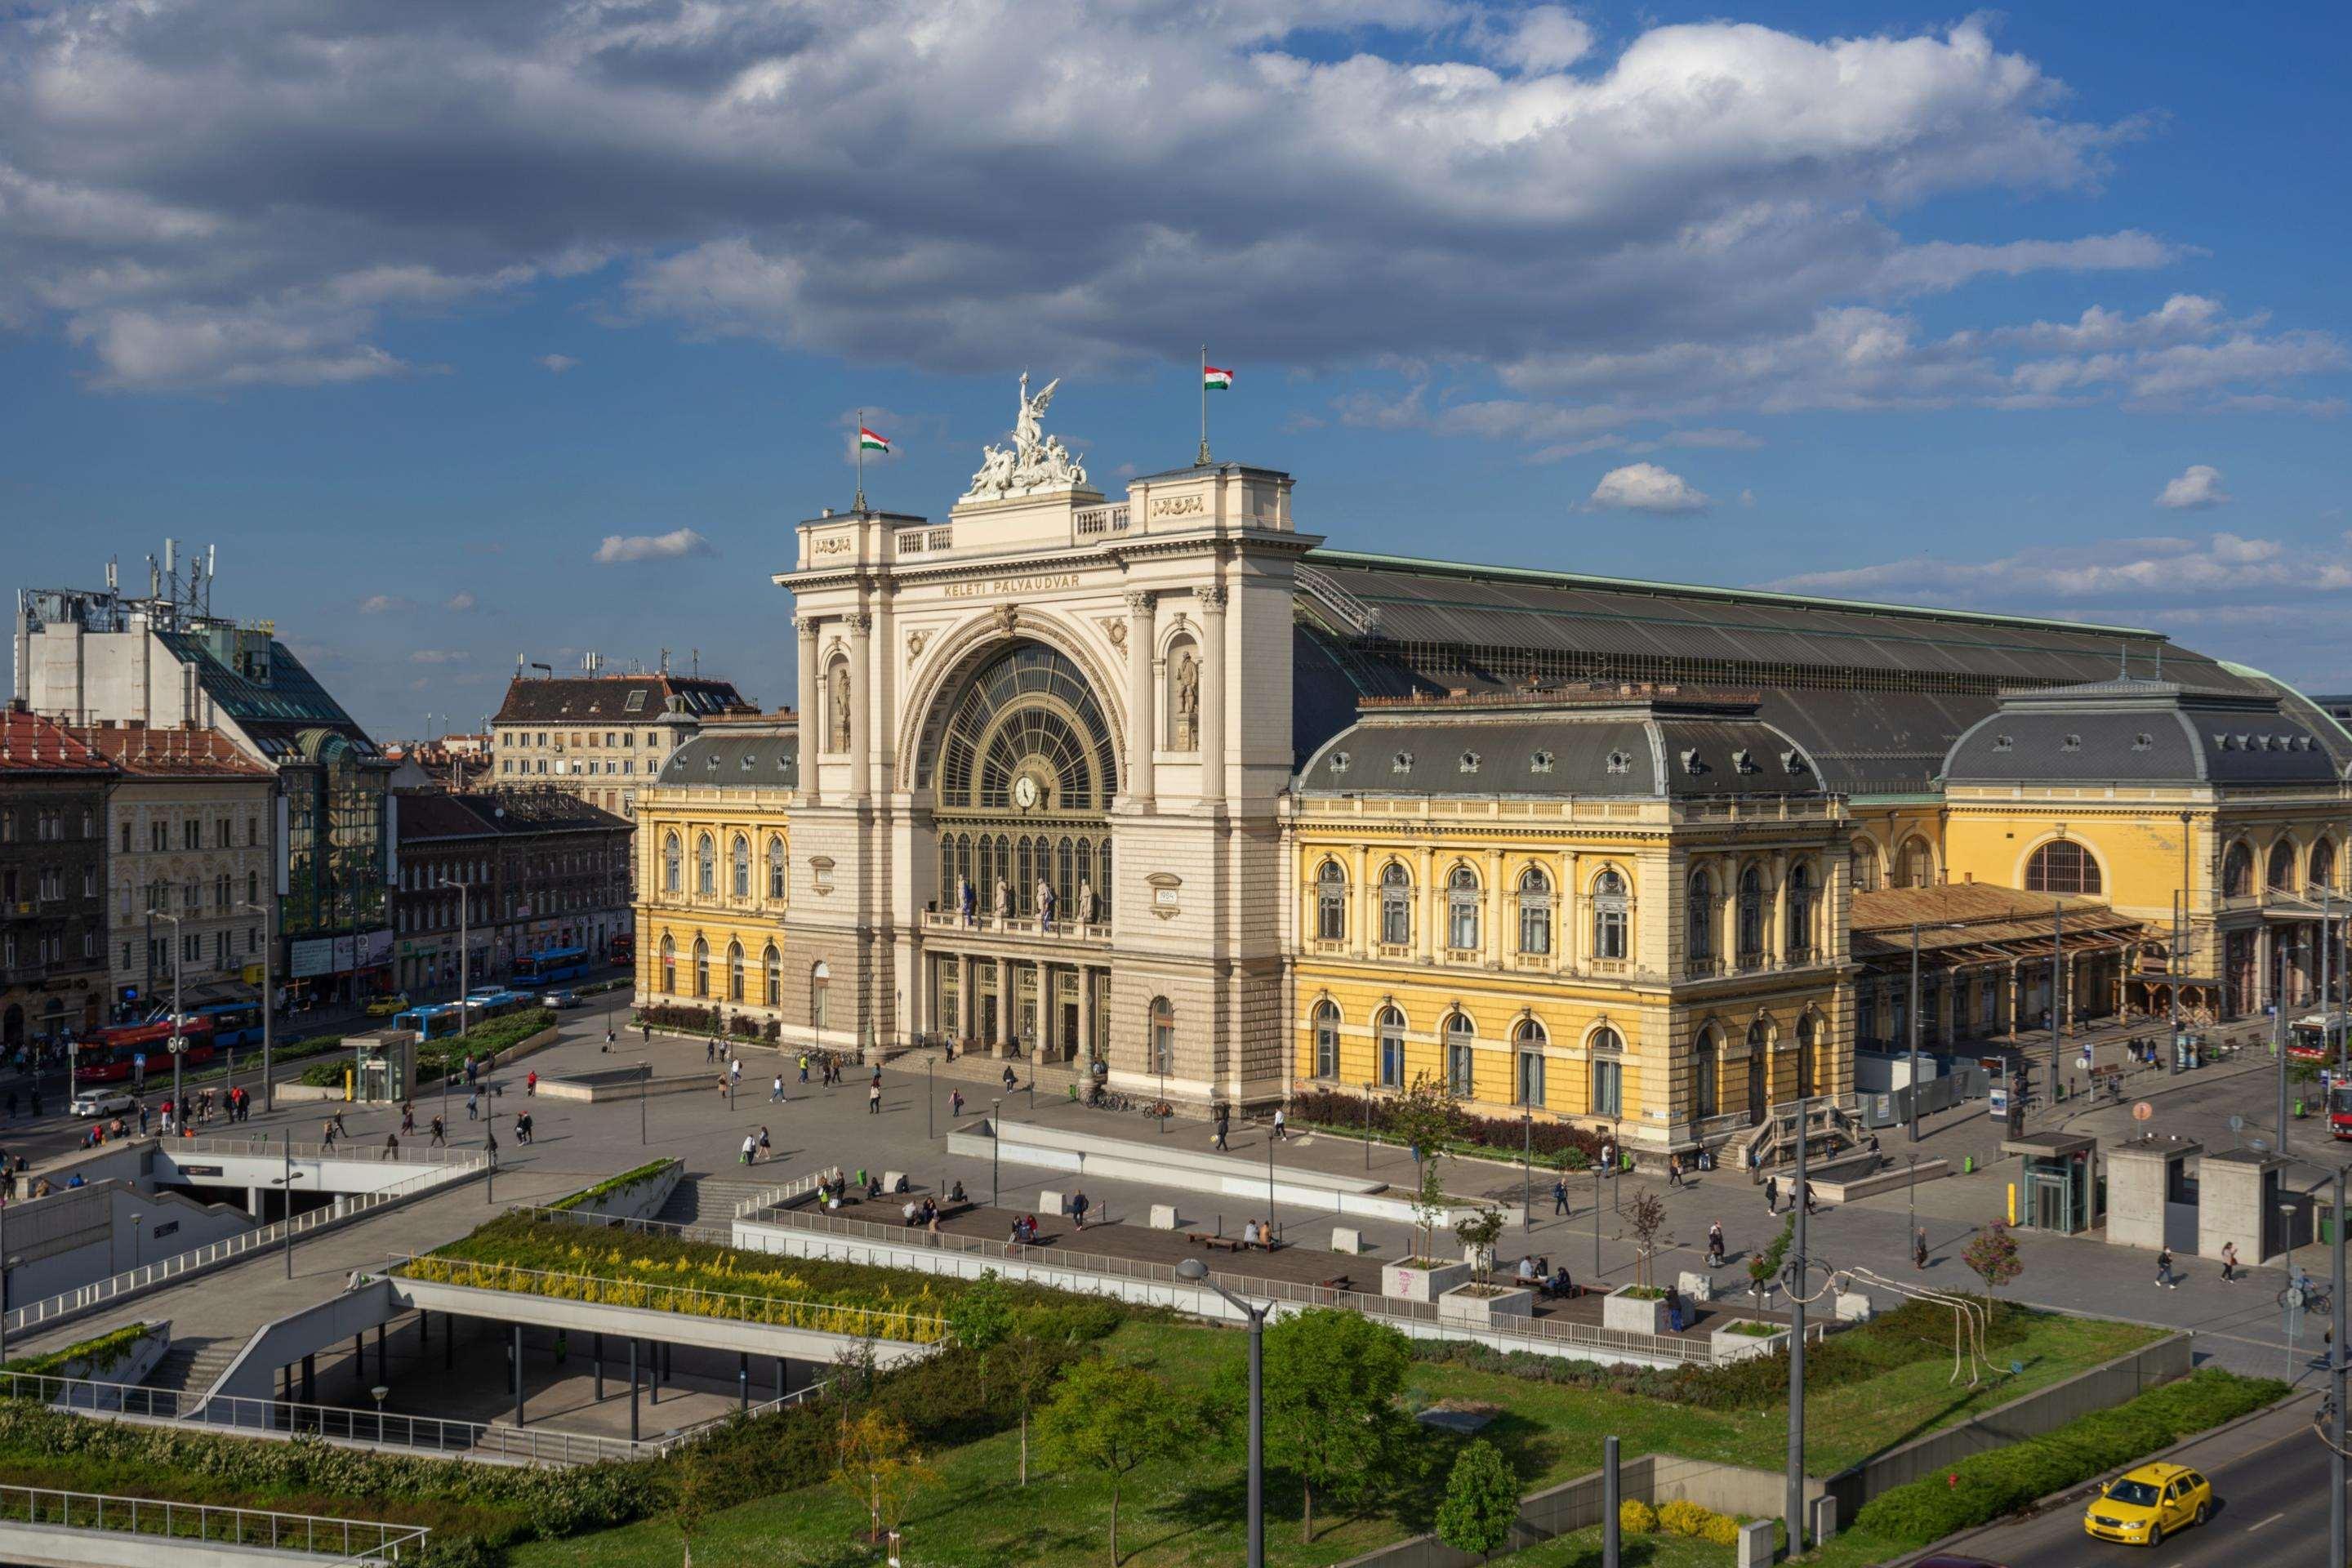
point(1188, 702)
point(1047, 902)
point(1086, 903)
point(837, 702)
point(1003, 899)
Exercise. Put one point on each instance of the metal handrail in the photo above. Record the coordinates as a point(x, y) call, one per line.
point(752, 1309)
point(131, 1281)
point(1585, 1335)
point(261, 1144)
point(776, 1197)
point(364, 1541)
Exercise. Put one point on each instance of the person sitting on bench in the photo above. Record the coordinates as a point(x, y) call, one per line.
point(1528, 1273)
point(1560, 1286)
point(1249, 1233)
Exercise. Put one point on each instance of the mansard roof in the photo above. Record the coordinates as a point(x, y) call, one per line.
point(738, 756)
point(2148, 732)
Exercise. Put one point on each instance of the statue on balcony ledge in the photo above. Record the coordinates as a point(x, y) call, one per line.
point(1047, 902)
point(1036, 462)
point(1003, 899)
point(1086, 903)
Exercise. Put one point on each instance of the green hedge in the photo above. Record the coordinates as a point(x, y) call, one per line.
point(645, 1173)
point(437, 1059)
point(2005, 1479)
point(103, 1354)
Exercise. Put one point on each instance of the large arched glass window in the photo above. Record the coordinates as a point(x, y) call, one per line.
point(1396, 905)
point(1330, 902)
point(1461, 1057)
point(734, 971)
point(741, 867)
point(701, 967)
point(1608, 1091)
point(2237, 872)
point(1759, 1070)
point(1462, 909)
point(2280, 872)
point(668, 967)
point(1327, 1040)
point(772, 969)
point(2323, 864)
point(1527, 1043)
point(1861, 865)
point(1751, 916)
point(1917, 867)
point(1801, 911)
point(775, 866)
point(1535, 912)
point(1708, 1099)
point(1806, 1031)
point(670, 863)
point(1390, 1027)
point(2062, 866)
point(1698, 919)
point(706, 866)
point(1608, 916)
point(1164, 1036)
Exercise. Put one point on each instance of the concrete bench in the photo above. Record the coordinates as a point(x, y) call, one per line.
point(894, 1181)
point(1052, 1202)
point(1344, 1239)
point(1163, 1217)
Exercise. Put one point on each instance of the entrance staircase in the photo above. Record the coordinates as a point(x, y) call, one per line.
point(1831, 1132)
point(190, 1367)
point(704, 1206)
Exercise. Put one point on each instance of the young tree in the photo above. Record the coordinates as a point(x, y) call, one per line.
point(1113, 1418)
point(879, 1465)
point(1764, 1265)
point(1479, 1232)
point(1482, 1501)
point(687, 1493)
point(1647, 1216)
point(1331, 1419)
point(1030, 1362)
point(979, 1317)
point(1427, 1117)
point(1992, 1257)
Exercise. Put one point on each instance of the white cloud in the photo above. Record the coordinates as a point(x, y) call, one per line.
point(385, 604)
point(2136, 570)
point(2198, 489)
point(1747, 497)
point(460, 602)
point(1541, 38)
point(556, 365)
point(678, 541)
point(1646, 487)
point(439, 656)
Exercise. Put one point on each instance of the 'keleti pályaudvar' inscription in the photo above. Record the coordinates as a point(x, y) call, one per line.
point(1004, 588)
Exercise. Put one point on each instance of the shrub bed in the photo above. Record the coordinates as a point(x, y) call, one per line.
point(103, 1354)
point(438, 1058)
point(645, 1173)
point(679, 1018)
point(1335, 1112)
point(1986, 1485)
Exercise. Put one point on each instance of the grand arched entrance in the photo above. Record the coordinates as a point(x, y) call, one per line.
point(1022, 765)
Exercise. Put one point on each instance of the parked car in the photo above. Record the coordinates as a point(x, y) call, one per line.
point(567, 997)
point(2139, 1507)
point(92, 1102)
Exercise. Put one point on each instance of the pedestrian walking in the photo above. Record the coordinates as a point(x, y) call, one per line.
point(473, 1105)
point(1809, 1200)
point(751, 1148)
point(804, 1067)
point(710, 1050)
point(1609, 1156)
point(1224, 1119)
point(874, 1098)
point(1281, 1126)
point(1714, 1244)
point(530, 1084)
point(2229, 1262)
point(765, 1145)
point(648, 1033)
point(1560, 1194)
point(609, 1036)
point(1078, 1210)
point(2164, 1270)
point(955, 1104)
point(408, 1118)
point(776, 1090)
point(440, 1135)
point(1674, 1170)
point(392, 1145)
point(734, 1069)
point(1771, 1194)
point(327, 1137)
point(1919, 1247)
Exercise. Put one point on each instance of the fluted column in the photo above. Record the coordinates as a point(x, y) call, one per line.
point(861, 706)
point(1211, 601)
point(1142, 722)
point(812, 722)
point(1086, 1013)
point(1363, 911)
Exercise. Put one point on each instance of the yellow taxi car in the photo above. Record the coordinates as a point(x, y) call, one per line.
point(2142, 1506)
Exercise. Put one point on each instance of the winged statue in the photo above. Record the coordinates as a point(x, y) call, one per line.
point(1036, 462)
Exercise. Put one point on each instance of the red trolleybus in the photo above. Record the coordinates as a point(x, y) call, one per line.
point(111, 1056)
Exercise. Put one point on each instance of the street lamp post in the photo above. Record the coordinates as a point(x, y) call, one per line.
point(1915, 1031)
point(644, 1081)
point(179, 1111)
point(1527, 1168)
point(138, 1222)
point(464, 956)
point(1197, 1272)
point(995, 1144)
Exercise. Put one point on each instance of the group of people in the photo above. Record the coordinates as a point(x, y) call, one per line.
point(755, 1149)
point(1772, 1196)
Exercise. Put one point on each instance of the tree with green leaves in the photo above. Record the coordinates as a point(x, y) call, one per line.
point(1480, 1232)
point(1114, 1419)
point(1427, 1117)
point(979, 1317)
point(1992, 1258)
point(1030, 1362)
point(689, 1493)
point(1764, 1265)
point(1481, 1501)
point(1332, 1378)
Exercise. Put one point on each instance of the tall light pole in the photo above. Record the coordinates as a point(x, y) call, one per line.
point(179, 1113)
point(2057, 1004)
point(268, 943)
point(465, 953)
point(1794, 1506)
point(1197, 1272)
point(1915, 1037)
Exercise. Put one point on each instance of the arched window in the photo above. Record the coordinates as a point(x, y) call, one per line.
point(1916, 866)
point(2237, 872)
point(668, 965)
point(771, 971)
point(2322, 863)
point(741, 859)
point(706, 866)
point(1327, 1040)
point(734, 971)
point(1801, 912)
point(775, 866)
point(1608, 916)
point(1698, 919)
point(1396, 905)
point(1527, 1043)
point(701, 967)
point(1608, 1091)
point(819, 988)
point(1751, 916)
point(1330, 902)
point(2062, 866)
point(1461, 1057)
point(1164, 1036)
point(1462, 909)
point(2280, 872)
point(670, 863)
point(1535, 912)
point(1709, 1094)
point(253, 887)
point(1759, 1070)
point(1390, 1026)
point(1861, 865)
point(1806, 1030)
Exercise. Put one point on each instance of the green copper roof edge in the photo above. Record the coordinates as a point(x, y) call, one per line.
point(1764, 596)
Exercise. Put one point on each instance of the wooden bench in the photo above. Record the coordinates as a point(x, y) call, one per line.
point(1336, 1282)
point(1214, 1242)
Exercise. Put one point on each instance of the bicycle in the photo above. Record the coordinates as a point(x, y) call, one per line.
point(1160, 1109)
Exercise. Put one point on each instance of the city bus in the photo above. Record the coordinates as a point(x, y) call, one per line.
point(111, 1056)
point(494, 1002)
point(535, 971)
point(2339, 1110)
point(232, 1023)
point(2316, 1037)
point(623, 948)
point(433, 1021)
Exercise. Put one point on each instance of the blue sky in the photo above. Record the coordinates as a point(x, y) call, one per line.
point(410, 311)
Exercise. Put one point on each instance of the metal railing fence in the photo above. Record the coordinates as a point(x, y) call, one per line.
point(352, 1540)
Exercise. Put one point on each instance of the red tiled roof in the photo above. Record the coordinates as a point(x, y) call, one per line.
point(30, 743)
point(178, 751)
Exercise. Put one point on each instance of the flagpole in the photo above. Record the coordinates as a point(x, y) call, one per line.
point(858, 441)
point(1204, 459)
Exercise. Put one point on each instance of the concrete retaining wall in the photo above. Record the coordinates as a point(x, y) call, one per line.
point(2046, 1410)
point(602, 1093)
point(134, 1368)
point(639, 1200)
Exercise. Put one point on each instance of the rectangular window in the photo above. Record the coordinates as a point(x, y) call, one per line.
point(1531, 1079)
point(1461, 1072)
point(1608, 1089)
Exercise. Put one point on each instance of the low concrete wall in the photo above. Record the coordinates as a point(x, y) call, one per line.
point(593, 1092)
point(132, 1368)
point(639, 1200)
point(253, 1373)
point(1883, 1181)
point(2045, 1410)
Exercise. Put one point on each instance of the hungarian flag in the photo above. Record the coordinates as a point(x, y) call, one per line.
point(1215, 380)
point(868, 441)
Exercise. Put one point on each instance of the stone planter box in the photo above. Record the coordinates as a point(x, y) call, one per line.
point(1423, 1278)
point(1629, 1313)
point(1729, 1344)
point(1479, 1305)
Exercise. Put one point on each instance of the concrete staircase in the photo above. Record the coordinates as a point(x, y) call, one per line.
point(704, 1206)
point(190, 1367)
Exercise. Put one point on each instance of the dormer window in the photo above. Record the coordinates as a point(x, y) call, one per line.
point(1743, 760)
point(637, 702)
point(2002, 744)
point(1401, 762)
point(1469, 762)
point(711, 762)
point(2245, 743)
point(1621, 761)
point(1340, 761)
point(2143, 742)
point(2220, 743)
point(1691, 763)
point(1540, 762)
point(2071, 743)
point(748, 761)
point(1792, 761)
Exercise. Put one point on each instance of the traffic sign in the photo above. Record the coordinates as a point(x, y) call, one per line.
point(2142, 1111)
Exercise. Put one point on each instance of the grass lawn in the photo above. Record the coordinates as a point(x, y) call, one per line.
point(1187, 1514)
